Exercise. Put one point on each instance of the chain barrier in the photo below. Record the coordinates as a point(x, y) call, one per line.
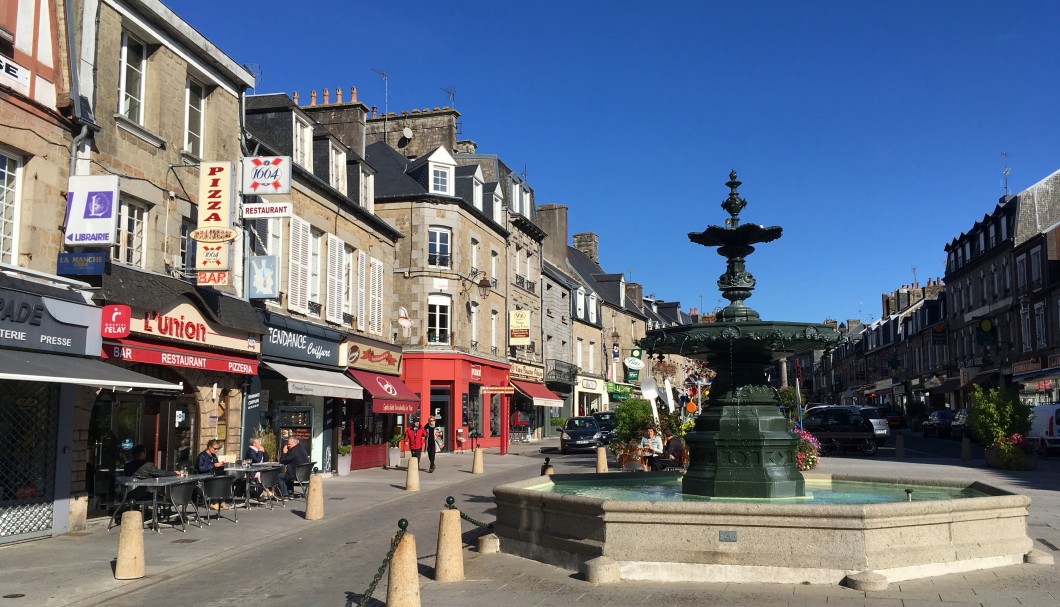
point(450, 503)
point(402, 526)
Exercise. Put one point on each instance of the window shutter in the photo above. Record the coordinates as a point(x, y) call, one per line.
point(376, 315)
point(362, 262)
point(333, 297)
point(261, 236)
point(298, 273)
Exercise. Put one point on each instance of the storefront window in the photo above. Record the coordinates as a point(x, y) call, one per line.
point(495, 415)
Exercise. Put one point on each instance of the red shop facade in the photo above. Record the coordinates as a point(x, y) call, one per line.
point(468, 396)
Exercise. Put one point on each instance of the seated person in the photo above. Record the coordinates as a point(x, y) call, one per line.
point(207, 462)
point(255, 452)
point(141, 467)
point(651, 446)
point(672, 452)
point(293, 455)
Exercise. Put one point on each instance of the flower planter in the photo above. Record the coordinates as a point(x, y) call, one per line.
point(994, 459)
point(344, 463)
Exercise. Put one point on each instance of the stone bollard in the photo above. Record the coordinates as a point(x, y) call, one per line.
point(403, 579)
point(546, 466)
point(548, 471)
point(489, 544)
point(966, 449)
point(449, 557)
point(412, 475)
point(601, 459)
point(130, 564)
point(476, 464)
point(314, 499)
point(899, 446)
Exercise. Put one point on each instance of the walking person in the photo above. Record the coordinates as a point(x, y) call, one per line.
point(432, 445)
point(416, 437)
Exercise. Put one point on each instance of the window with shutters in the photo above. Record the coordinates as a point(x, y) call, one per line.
point(349, 295)
point(375, 308)
point(362, 290)
point(336, 286)
point(580, 303)
point(592, 357)
point(592, 307)
point(493, 331)
point(10, 169)
point(298, 267)
point(438, 319)
point(316, 239)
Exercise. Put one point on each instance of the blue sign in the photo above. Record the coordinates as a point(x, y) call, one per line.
point(126, 444)
point(82, 263)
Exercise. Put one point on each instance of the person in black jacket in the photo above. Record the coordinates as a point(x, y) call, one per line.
point(432, 446)
point(293, 455)
point(141, 467)
point(672, 454)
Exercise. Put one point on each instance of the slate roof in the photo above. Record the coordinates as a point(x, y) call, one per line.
point(149, 290)
point(391, 181)
point(605, 285)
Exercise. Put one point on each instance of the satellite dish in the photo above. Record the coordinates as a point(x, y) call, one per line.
point(406, 133)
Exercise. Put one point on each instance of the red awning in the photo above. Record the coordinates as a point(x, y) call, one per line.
point(389, 394)
point(543, 397)
point(137, 351)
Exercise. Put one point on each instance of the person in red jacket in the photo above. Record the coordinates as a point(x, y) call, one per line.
point(416, 437)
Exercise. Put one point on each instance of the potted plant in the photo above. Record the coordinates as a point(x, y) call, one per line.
point(345, 459)
point(393, 451)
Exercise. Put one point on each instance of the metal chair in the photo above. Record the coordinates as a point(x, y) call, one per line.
point(270, 479)
point(302, 472)
point(181, 496)
point(219, 490)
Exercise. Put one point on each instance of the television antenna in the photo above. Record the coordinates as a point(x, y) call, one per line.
point(1005, 172)
point(914, 274)
point(450, 92)
point(386, 98)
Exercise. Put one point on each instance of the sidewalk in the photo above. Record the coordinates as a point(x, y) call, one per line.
point(278, 556)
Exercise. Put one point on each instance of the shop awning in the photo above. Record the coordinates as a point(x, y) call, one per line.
point(389, 394)
point(542, 396)
point(41, 366)
point(317, 382)
point(132, 350)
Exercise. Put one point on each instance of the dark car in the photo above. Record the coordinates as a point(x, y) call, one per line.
point(960, 427)
point(606, 420)
point(872, 416)
point(841, 428)
point(580, 433)
point(938, 423)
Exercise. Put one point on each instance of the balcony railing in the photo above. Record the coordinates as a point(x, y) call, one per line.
point(438, 337)
point(520, 281)
point(347, 319)
point(493, 350)
point(474, 345)
point(439, 260)
point(560, 371)
point(531, 286)
point(315, 307)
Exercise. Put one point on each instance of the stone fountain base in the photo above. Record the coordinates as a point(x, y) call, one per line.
point(762, 542)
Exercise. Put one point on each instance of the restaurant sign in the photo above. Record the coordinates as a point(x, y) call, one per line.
point(33, 322)
point(214, 231)
point(184, 322)
point(527, 372)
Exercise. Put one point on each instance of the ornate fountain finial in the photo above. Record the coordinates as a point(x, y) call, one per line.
point(733, 204)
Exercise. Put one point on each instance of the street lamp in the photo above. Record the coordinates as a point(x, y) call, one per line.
point(484, 286)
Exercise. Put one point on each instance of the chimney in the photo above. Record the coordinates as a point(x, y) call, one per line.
point(552, 219)
point(312, 97)
point(338, 95)
point(589, 244)
point(327, 95)
point(353, 94)
point(635, 292)
point(295, 96)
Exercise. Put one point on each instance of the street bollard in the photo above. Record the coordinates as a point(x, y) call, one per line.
point(449, 556)
point(314, 499)
point(545, 466)
point(899, 446)
point(601, 459)
point(412, 475)
point(966, 449)
point(403, 579)
point(548, 471)
point(476, 464)
point(130, 564)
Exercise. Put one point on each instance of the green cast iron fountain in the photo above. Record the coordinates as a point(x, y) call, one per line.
point(740, 446)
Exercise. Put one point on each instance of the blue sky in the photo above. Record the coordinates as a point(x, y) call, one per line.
point(872, 132)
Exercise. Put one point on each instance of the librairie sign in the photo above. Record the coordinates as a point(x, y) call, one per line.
point(91, 211)
point(214, 231)
point(267, 175)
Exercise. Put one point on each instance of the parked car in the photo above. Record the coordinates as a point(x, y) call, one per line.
point(580, 433)
point(1045, 427)
point(938, 423)
point(606, 420)
point(871, 415)
point(960, 427)
point(840, 428)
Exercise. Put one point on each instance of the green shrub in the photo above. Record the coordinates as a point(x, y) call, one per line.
point(996, 413)
point(632, 418)
point(344, 449)
point(557, 422)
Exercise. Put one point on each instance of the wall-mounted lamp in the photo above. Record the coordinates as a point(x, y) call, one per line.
point(615, 336)
point(484, 286)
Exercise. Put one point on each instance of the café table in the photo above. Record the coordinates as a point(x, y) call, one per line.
point(156, 485)
point(247, 471)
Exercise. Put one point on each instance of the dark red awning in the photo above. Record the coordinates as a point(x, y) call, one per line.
point(542, 396)
point(389, 394)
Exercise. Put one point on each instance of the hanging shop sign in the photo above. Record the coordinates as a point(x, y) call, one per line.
point(366, 355)
point(519, 328)
point(214, 232)
point(267, 175)
point(633, 364)
point(91, 211)
point(34, 322)
point(263, 210)
point(263, 272)
point(183, 322)
point(529, 372)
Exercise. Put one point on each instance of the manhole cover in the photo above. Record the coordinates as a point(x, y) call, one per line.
point(184, 541)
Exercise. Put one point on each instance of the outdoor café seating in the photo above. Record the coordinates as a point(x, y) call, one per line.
point(302, 472)
point(181, 496)
point(270, 480)
point(219, 490)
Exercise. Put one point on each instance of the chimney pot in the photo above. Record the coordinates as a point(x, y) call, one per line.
point(338, 95)
point(327, 94)
point(312, 97)
point(295, 97)
point(353, 94)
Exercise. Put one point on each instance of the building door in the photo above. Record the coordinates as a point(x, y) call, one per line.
point(441, 409)
point(29, 424)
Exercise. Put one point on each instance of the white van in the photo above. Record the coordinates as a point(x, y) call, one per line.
point(1045, 427)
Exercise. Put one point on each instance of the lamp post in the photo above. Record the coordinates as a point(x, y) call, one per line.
point(615, 353)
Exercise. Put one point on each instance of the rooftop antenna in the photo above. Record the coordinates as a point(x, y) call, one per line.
point(450, 92)
point(255, 70)
point(1005, 172)
point(914, 275)
point(386, 99)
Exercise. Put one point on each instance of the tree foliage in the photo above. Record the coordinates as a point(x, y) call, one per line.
point(996, 413)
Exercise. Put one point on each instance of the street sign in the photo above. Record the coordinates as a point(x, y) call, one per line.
point(497, 390)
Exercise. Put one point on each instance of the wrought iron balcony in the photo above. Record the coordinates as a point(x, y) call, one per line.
point(347, 319)
point(439, 260)
point(438, 337)
point(315, 308)
point(520, 281)
point(531, 286)
point(560, 371)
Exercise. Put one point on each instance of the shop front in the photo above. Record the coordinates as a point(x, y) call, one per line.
point(468, 397)
point(47, 327)
point(302, 387)
point(1038, 379)
point(533, 405)
point(368, 425)
point(590, 395)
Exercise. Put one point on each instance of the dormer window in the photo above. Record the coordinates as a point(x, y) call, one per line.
point(302, 148)
point(592, 308)
point(441, 176)
point(498, 207)
point(622, 292)
point(580, 303)
point(337, 167)
point(476, 193)
point(367, 195)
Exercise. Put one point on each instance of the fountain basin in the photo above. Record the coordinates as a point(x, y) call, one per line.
point(783, 541)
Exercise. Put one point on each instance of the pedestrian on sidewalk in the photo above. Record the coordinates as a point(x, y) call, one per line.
point(432, 445)
point(416, 437)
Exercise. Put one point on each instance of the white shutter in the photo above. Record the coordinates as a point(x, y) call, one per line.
point(376, 314)
point(333, 297)
point(298, 272)
point(362, 263)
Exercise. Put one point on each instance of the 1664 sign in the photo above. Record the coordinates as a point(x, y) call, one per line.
point(267, 175)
